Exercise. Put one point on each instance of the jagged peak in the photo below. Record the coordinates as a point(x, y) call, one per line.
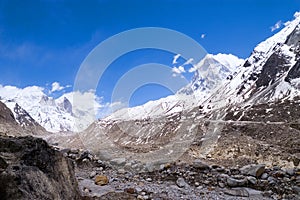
point(280, 37)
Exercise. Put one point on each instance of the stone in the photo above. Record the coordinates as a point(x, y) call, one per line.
point(93, 174)
point(121, 171)
point(130, 190)
point(290, 171)
point(143, 193)
point(252, 180)
point(271, 180)
point(253, 170)
point(101, 180)
point(74, 150)
point(198, 164)
point(238, 192)
point(149, 167)
point(231, 182)
point(181, 183)
point(149, 179)
point(128, 166)
point(221, 184)
point(296, 189)
point(138, 189)
point(118, 161)
point(264, 176)
point(86, 190)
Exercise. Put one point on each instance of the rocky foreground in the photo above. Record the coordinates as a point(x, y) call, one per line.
point(110, 180)
point(31, 169)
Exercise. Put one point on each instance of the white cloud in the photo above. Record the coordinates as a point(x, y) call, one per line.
point(178, 70)
point(276, 26)
point(189, 61)
point(57, 87)
point(193, 69)
point(175, 59)
point(203, 36)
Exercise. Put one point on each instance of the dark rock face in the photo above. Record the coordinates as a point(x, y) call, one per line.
point(275, 65)
point(67, 106)
point(23, 117)
point(5, 114)
point(31, 169)
point(294, 72)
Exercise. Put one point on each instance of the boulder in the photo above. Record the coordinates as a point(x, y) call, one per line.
point(101, 180)
point(232, 182)
point(181, 183)
point(31, 169)
point(253, 170)
point(118, 161)
point(198, 164)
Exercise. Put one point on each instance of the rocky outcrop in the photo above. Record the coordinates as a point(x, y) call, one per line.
point(8, 124)
point(5, 114)
point(31, 169)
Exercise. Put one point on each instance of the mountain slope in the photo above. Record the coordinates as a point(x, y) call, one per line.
point(253, 115)
point(24, 125)
point(31, 105)
point(210, 73)
point(271, 73)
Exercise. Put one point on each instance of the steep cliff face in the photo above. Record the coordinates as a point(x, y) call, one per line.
point(270, 74)
point(18, 122)
point(5, 114)
point(30, 169)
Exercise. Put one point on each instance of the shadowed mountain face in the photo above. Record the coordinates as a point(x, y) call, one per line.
point(5, 114)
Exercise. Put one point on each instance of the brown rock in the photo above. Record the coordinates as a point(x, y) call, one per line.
point(101, 180)
point(130, 190)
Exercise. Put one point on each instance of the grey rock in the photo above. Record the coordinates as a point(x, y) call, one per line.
point(290, 171)
point(149, 167)
point(181, 183)
point(93, 174)
point(118, 161)
point(252, 180)
point(296, 189)
point(231, 182)
point(149, 179)
point(74, 151)
point(198, 164)
point(271, 180)
point(221, 184)
point(255, 194)
point(253, 170)
point(121, 171)
point(264, 176)
point(239, 192)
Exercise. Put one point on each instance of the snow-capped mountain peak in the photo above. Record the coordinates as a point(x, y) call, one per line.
point(31, 104)
point(271, 72)
point(209, 74)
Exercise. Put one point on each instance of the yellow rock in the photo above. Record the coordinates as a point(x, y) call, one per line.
point(101, 180)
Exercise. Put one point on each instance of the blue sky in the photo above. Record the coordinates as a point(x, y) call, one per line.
point(44, 41)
